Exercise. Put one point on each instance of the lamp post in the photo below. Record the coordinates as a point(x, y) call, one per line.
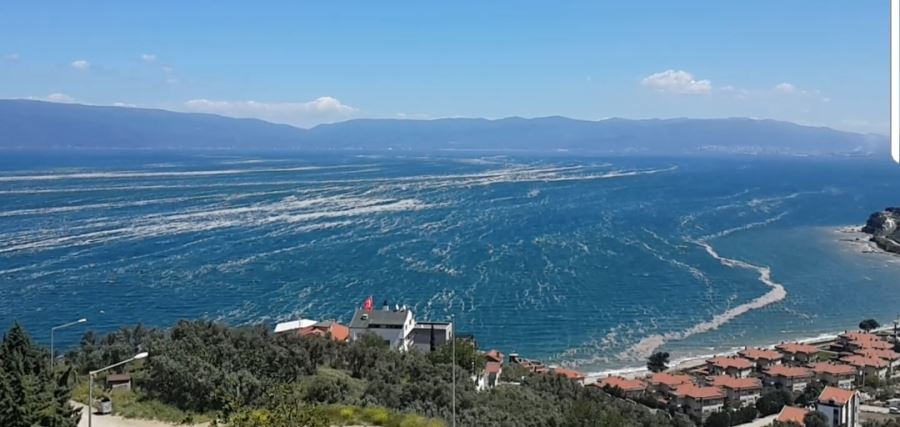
point(453, 352)
point(93, 373)
point(53, 329)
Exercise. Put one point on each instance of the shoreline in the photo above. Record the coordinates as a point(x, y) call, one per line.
point(691, 362)
point(849, 236)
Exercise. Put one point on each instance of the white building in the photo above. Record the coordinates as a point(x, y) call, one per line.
point(839, 406)
point(791, 378)
point(741, 391)
point(699, 402)
point(392, 325)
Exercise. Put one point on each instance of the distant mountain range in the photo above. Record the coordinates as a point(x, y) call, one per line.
point(35, 125)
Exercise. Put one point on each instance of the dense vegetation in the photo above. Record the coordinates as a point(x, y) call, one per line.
point(31, 394)
point(249, 374)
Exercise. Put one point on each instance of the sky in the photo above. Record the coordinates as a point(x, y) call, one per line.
point(822, 62)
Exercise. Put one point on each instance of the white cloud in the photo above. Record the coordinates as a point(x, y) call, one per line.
point(54, 97)
point(680, 82)
point(785, 88)
point(321, 110)
point(81, 64)
point(148, 57)
point(167, 69)
point(11, 57)
point(123, 104)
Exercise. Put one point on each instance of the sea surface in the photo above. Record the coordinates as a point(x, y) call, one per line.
point(590, 262)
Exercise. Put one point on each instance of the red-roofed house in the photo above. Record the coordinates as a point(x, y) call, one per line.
point(868, 366)
point(737, 367)
point(573, 375)
point(665, 382)
point(494, 356)
point(835, 374)
point(890, 356)
point(798, 353)
point(630, 388)
point(792, 415)
point(742, 391)
point(792, 378)
point(761, 357)
point(490, 376)
point(328, 329)
point(699, 401)
point(852, 341)
point(839, 406)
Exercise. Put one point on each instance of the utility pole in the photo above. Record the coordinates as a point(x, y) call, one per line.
point(453, 351)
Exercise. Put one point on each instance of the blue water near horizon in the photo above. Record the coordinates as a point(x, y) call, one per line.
point(585, 261)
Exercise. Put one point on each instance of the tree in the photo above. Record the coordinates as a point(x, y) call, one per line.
point(810, 393)
point(30, 393)
point(868, 325)
point(772, 402)
point(815, 419)
point(658, 362)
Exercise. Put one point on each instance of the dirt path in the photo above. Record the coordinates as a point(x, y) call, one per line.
point(117, 421)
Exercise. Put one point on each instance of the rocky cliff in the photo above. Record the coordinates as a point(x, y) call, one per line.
point(884, 227)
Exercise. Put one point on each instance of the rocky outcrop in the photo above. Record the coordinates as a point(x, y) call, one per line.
point(884, 227)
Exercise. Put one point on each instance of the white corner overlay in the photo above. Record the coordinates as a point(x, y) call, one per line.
point(895, 80)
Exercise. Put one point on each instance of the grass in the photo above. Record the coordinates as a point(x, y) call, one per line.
point(827, 356)
point(131, 404)
point(351, 415)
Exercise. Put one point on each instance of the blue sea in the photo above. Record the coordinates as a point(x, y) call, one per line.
point(589, 262)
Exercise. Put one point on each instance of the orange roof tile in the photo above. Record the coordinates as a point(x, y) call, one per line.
point(881, 354)
point(833, 395)
point(622, 383)
point(732, 383)
point(731, 362)
point(789, 371)
point(760, 353)
point(860, 336)
point(797, 348)
point(694, 392)
point(790, 414)
point(568, 373)
point(494, 355)
point(874, 344)
point(833, 368)
point(670, 380)
point(865, 362)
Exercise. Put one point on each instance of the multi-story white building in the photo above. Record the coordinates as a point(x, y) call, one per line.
point(839, 406)
point(392, 325)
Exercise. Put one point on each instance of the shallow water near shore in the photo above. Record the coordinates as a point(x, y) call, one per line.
point(592, 262)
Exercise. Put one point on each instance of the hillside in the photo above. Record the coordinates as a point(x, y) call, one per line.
point(51, 126)
point(884, 227)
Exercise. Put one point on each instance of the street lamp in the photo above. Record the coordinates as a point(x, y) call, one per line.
point(91, 385)
point(53, 329)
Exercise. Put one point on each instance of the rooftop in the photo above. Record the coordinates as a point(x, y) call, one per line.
point(568, 373)
point(881, 354)
point(860, 336)
point(492, 367)
point(760, 353)
point(833, 368)
point(731, 362)
point(735, 383)
point(668, 379)
point(873, 344)
point(293, 325)
point(797, 348)
point(833, 396)
point(494, 355)
point(694, 392)
point(375, 318)
point(788, 371)
point(622, 383)
point(791, 414)
point(865, 362)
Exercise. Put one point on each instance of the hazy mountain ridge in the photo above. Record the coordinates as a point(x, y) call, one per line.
point(28, 124)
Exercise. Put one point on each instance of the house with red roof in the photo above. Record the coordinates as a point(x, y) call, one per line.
point(490, 376)
point(630, 388)
point(740, 391)
point(494, 356)
point(839, 406)
point(797, 353)
point(734, 366)
point(762, 358)
point(792, 415)
point(791, 378)
point(573, 375)
point(664, 382)
point(835, 374)
point(327, 329)
point(890, 356)
point(699, 402)
point(868, 366)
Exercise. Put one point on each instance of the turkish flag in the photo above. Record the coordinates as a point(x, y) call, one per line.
point(368, 304)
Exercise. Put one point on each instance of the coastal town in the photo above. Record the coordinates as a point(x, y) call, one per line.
point(846, 379)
